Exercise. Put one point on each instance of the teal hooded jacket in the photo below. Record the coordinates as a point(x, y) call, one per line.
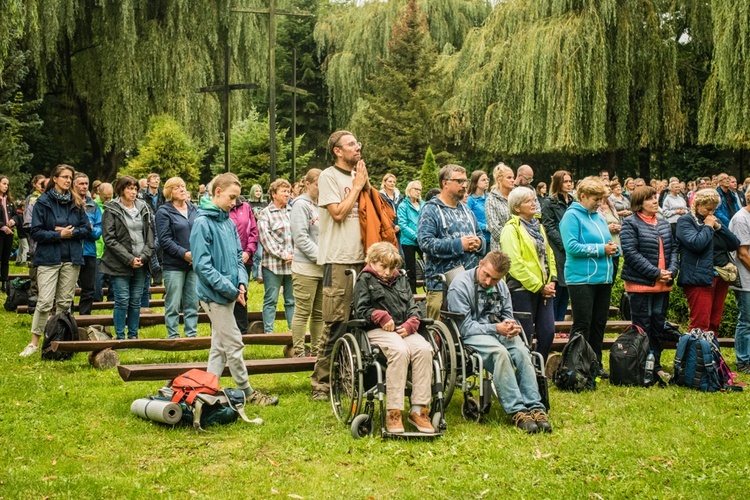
point(217, 255)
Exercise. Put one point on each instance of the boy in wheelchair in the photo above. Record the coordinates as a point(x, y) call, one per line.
point(483, 300)
point(383, 297)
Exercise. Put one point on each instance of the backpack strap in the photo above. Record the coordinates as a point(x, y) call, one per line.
point(710, 365)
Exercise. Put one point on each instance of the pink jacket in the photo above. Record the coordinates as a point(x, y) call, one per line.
point(243, 218)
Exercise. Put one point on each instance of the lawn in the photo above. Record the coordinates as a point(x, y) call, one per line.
point(66, 431)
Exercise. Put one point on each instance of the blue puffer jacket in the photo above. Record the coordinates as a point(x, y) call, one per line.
point(94, 214)
point(408, 218)
point(640, 247)
point(173, 232)
point(217, 255)
point(52, 250)
point(697, 249)
point(584, 235)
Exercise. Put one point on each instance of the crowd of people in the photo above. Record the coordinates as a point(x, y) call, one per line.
point(511, 246)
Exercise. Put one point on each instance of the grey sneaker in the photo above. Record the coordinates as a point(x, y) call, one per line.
point(260, 399)
point(319, 396)
point(29, 350)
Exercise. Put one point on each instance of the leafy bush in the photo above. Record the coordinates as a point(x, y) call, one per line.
point(169, 151)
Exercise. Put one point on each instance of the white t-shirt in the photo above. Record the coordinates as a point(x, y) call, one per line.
point(338, 242)
point(740, 226)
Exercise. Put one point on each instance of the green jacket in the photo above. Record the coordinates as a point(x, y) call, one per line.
point(100, 240)
point(525, 266)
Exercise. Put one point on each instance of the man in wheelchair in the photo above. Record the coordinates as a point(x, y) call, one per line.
point(383, 297)
point(481, 296)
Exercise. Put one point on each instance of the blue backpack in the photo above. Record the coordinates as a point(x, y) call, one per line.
point(697, 362)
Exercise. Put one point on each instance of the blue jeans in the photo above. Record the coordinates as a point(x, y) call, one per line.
point(272, 283)
point(513, 374)
point(256, 262)
point(181, 287)
point(146, 294)
point(102, 280)
point(742, 332)
point(127, 291)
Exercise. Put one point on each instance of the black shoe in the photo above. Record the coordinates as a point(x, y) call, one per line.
point(524, 421)
point(541, 420)
point(603, 374)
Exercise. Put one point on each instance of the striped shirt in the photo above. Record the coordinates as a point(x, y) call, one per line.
point(275, 233)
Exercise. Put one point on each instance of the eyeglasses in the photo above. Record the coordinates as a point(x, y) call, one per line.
point(351, 145)
point(527, 179)
point(459, 181)
point(68, 177)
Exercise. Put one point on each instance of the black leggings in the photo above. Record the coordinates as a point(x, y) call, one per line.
point(590, 307)
point(6, 245)
point(410, 264)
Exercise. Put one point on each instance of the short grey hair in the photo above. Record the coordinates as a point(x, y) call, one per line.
point(448, 170)
point(518, 196)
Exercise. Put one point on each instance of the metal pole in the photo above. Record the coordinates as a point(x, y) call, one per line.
point(272, 85)
point(227, 122)
point(294, 116)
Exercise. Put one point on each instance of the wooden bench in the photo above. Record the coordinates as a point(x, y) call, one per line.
point(97, 306)
point(613, 326)
point(181, 344)
point(134, 373)
point(158, 319)
point(558, 344)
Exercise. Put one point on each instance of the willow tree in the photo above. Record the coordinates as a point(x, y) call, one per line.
point(354, 35)
point(724, 117)
point(122, 61)
point(572, 76)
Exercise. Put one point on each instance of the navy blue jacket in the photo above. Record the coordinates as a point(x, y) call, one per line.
point(640, 247)
point(697, 250)
point(173, 233)
point(51, 249)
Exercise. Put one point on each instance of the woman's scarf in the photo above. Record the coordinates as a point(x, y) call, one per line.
point(63, 198)
point(534, 229)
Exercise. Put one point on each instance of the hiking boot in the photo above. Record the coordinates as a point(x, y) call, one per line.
point(524, 421)
point(743, 367)
point(603, 374)
point(260, 399)
point(541, 420)
point(29, 350)
point(422, 421)
point(320, 396)
point(393, 423)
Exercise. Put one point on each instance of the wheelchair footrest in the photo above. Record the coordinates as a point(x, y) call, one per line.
point(410, 435)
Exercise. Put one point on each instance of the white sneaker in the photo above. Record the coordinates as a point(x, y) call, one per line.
point(29, 350)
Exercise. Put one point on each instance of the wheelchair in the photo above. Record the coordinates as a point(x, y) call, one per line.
point(464, 366)
point(358, 373)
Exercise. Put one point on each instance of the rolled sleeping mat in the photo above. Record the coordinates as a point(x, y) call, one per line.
point(165, 412)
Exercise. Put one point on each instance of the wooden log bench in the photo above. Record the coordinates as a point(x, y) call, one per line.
point(558, 344)
point(158, 319)
point(613, 326)
point(98, 306)
point(136, 373)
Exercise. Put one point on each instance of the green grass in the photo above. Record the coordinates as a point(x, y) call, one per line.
point(66, 431)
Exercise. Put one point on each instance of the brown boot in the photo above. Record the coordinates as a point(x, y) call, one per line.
point(393, 423)
point(421, 421)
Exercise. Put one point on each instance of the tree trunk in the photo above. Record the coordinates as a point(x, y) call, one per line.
point(644, 164)
point(104, 360)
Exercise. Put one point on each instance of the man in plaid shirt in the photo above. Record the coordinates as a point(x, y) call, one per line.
point(275, 233)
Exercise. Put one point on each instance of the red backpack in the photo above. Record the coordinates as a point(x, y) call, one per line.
point(191, 383)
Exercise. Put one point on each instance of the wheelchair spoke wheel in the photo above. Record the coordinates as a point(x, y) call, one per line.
point(470, 409)
point(346, 378)
point(446, 347)
point(361, 426)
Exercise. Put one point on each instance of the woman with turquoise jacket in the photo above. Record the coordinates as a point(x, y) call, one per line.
point(408, 215)
point(532, 276)
point(589, 249)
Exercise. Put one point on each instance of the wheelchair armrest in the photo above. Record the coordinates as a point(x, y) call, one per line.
point(356, 323)
point(426, 321)
point(452, 315)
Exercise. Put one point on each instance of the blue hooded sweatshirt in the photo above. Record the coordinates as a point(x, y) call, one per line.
point(584, 236)
point(439, 232)
point(217, 255)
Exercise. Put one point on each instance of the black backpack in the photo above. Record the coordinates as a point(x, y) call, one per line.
point(61, 327)
point(627, 357)
point(18, 294)
point(579, 366)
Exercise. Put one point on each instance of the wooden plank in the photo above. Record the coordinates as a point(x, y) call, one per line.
point(612, 326)
point(158, 319)
point(558, 344)
point(133, 373)
point(98, 306)
point(181, 344)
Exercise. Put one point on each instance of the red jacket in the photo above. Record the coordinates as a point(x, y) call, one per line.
point(375, 219)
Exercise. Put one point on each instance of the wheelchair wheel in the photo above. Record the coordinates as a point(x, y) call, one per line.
point(447, 349)
point(470, 409)
point(346, 378)
point(438, 423)
point(361, 426)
